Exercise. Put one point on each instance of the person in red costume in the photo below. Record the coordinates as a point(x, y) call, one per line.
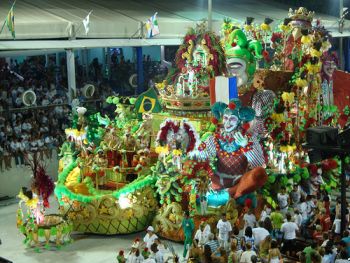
point(238, 156)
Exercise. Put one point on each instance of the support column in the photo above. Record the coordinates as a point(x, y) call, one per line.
point(57, 70)
point(139, 70)
point(210, 6)
point(162, 53)
point(341, 25)
point(108, 63)
point(163, 62)
point(86, 63)
point(46, 60)
point(346, 55)
point(343, 194)
point(57, 59)
point(72, 91)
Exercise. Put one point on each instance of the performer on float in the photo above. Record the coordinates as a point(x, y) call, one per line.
point(235, 150)
point(188, 228)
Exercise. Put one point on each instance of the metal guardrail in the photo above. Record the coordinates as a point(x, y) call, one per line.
point(45, 107)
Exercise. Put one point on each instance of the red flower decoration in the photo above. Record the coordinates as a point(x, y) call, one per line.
point(329, 164)
point(231, 105)
point(191, 136)
point(248, 202)
point(276, 36)
point(146, 249)
point(344, 117)
point(313, 169)
point(214, 121)
point(234, 44)
point(121, 252)
point(246, 126)
point(283, 125)
point(266, 56)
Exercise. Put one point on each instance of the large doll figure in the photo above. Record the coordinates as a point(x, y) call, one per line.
point(239, 157)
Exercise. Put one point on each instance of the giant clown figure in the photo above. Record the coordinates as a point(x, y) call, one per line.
point(239, 157)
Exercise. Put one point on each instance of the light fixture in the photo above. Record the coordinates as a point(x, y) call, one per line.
point(124, 202)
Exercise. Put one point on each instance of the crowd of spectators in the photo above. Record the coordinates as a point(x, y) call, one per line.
point(40, 128)
point(302, 228)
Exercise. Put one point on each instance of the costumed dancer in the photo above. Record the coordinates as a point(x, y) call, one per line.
point(188, 228)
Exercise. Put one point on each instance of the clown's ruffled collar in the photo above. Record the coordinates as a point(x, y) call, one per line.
point(225, 143)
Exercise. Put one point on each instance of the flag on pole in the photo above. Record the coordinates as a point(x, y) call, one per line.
point(147, 102)
point(223, 89)
point(86, 23)
point(10, 21)
point(152, 26)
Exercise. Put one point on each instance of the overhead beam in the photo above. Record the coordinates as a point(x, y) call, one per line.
point(85, 43)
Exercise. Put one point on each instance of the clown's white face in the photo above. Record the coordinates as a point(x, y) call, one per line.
point(230, 122)
point(329, 67)
point(237, 67)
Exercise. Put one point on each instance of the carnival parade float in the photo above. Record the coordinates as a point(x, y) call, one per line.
point(222, 133)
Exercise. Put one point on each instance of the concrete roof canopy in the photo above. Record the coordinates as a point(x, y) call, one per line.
point(116, 19)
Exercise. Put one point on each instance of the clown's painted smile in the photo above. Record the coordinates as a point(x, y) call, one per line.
point(237, 67)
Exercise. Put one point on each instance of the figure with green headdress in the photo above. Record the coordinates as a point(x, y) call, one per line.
point(241, 56)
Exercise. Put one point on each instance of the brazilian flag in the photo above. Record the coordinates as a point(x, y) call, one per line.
point(147, 102)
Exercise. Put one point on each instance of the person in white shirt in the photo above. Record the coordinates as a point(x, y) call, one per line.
point(48, 146)
point(310, 205)
point(161, 246)
point(283, 200)
point(40, 143)
point(17, 128)
point(266, 212)
point(259, 233)
point(224, 228)
point(298, 218)
point(156, 254)
point(135, 257)
point(18, 101)
point(247, 255)
point(302, 207)
point(150, 237)
point(45, 101)
point(289, 230)
point(249, 219)
point(26, 126)
point(295, 195)
point(337, 225)
point(201, 235)
point(8, 129)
